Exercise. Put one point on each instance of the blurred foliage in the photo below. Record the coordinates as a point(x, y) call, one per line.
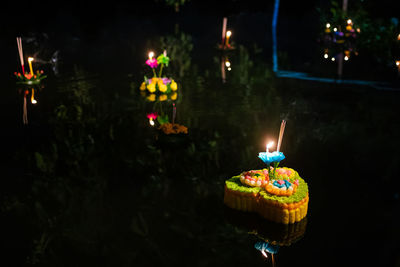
point(179, 47)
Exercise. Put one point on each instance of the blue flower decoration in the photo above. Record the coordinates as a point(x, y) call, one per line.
point(269, 157)
point(260, 245)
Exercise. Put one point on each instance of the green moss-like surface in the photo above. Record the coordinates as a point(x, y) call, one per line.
point(234, 184)
point(301, 192)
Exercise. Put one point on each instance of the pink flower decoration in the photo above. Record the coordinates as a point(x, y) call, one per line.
point(152, 116)
point(152, 63)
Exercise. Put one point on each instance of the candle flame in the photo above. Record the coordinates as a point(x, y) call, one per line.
point(349, 21)
point(227, 63)
point(30, 59)
point(328, 25)
point(269, 145)
point(151, 54)
point(397, 62)
point(151, 122)
point(228, 34)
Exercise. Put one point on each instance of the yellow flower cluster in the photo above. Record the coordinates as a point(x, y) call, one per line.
point(157, 83)
point(169, 128)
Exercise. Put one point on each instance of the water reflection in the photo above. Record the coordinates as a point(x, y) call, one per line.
point(271, 237)
point(100, 186)
point(30, 97)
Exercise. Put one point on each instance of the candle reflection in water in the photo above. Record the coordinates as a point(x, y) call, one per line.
point(33, 100)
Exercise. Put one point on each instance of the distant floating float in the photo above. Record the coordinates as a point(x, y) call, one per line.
point(226, 35)
point(32, 77)
point(158, 83)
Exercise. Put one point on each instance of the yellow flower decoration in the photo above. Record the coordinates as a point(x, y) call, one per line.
point(151, 87)
point(143, 86)
point(152, 97)
point(162, 87)
point(163, 97)
point(174, 86)
point(154, 80)
point(174, 96)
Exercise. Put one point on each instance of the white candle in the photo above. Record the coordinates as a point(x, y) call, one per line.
point(269, 145)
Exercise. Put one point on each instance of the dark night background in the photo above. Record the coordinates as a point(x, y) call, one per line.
point(89, 183)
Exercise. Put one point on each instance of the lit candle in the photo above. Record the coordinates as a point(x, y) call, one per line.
point(228, 35)
point(30, 59)
point(269, 145)
point(151, 55)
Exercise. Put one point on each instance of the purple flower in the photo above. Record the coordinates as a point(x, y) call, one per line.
point(166, 80)
point(152, 63)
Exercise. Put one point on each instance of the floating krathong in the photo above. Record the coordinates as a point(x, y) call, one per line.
point(226, 35)
point(31, 77)
point(277, 194)
point(340, 43)
point(158, 83)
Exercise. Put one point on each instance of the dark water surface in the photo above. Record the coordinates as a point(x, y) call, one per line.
point(88, 182)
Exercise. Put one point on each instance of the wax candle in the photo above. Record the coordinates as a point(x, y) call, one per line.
point(228, 35)
point(30, 59)
point(151, 55)
point(269, 145)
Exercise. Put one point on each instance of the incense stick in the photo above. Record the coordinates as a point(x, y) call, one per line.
point(224, 22)
point(21, 55)
point(281, 131)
